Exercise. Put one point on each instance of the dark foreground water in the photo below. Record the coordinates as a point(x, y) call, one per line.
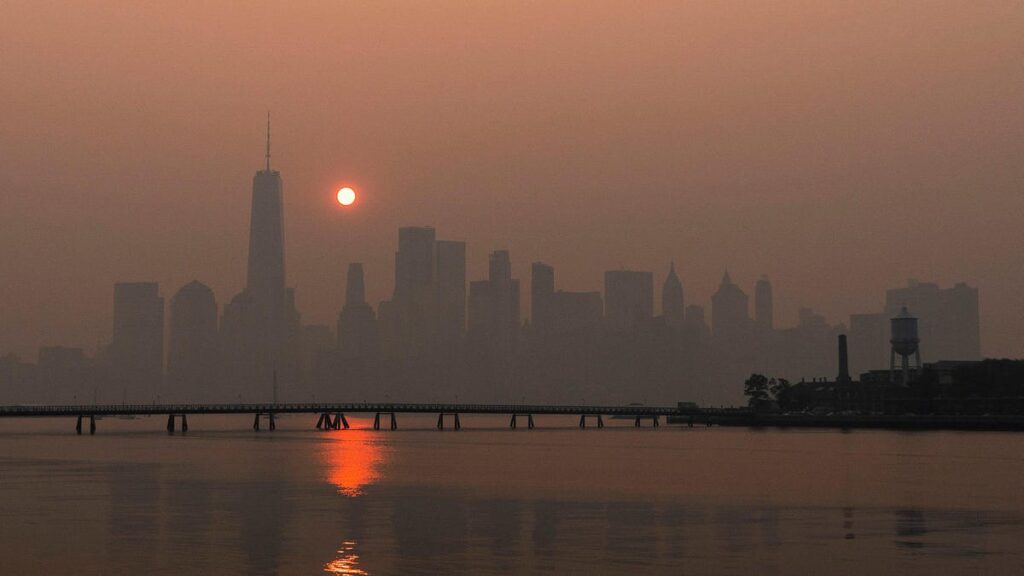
point(487, 500)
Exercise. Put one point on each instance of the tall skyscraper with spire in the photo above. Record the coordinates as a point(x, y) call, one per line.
point(672, 304)
point(265, 281)
point(260, 324)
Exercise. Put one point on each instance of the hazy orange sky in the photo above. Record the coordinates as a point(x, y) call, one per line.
point(838, 147)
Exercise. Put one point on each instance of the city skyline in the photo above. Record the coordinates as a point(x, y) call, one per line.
point(262, 222)
point(442, 334)
point(716, 136)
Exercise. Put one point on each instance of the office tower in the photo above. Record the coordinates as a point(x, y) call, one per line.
point(137, 348)
point(730, 318)
point(542, 290)
point(450, 279)
point(414, 262)
point(355, 286)
point(948, 320)
point(764, 309)
point(192, 351)
point(259, 330)
point(357, 324)
point(494, 317)
point(413, 300)
point(505, 299)
point(672, 304)
point(628, 298)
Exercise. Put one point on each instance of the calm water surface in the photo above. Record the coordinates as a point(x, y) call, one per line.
point(223, 499)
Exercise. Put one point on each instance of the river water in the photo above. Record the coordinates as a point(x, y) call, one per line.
point(223, 499)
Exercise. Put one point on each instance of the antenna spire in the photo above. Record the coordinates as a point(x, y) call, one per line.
point(268, 140)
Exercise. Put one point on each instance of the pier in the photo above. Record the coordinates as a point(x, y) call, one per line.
point(332, 416)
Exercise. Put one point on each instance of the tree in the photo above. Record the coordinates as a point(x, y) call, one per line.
point(782, 391)
point(757, 388)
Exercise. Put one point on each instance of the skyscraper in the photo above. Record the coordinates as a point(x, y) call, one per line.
point(672, 304)
point(730, 315)
point(192, 350)
point(494, 318)
point(450, 279)
point(265, 284)
point(764, 310)
point(542, 290)
point(413, 301)
point(357, 324)
point(137, 348)
point(628, 298)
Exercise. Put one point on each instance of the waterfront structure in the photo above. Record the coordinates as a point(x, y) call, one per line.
point(844, 361)
point(948, 318)
point(906, 345)
point(948, 325)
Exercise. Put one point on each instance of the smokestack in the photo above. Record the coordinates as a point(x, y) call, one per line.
point(844, 361)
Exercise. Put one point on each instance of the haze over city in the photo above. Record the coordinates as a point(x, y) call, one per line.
point(448, 287)
point(839, 148)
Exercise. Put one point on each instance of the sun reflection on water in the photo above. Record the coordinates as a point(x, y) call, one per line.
point(353, 460)
point(347, 561)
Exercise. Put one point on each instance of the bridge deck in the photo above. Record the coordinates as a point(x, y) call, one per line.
point(318, 408)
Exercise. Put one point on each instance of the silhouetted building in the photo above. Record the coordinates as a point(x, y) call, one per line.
point(413, 298)
point(628, 299)
point(265, 281)
point(542, 290)
point(764, 308)
point(672, 303)
point(137, 348)
point(357, 324)
point(948, 318)
point(948, 325)
point(494, 318)
point(450, 277)
point(192, 353)
point(730, 316)
point(260, 326)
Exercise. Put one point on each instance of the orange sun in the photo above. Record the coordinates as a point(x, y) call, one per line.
point(346, 196)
